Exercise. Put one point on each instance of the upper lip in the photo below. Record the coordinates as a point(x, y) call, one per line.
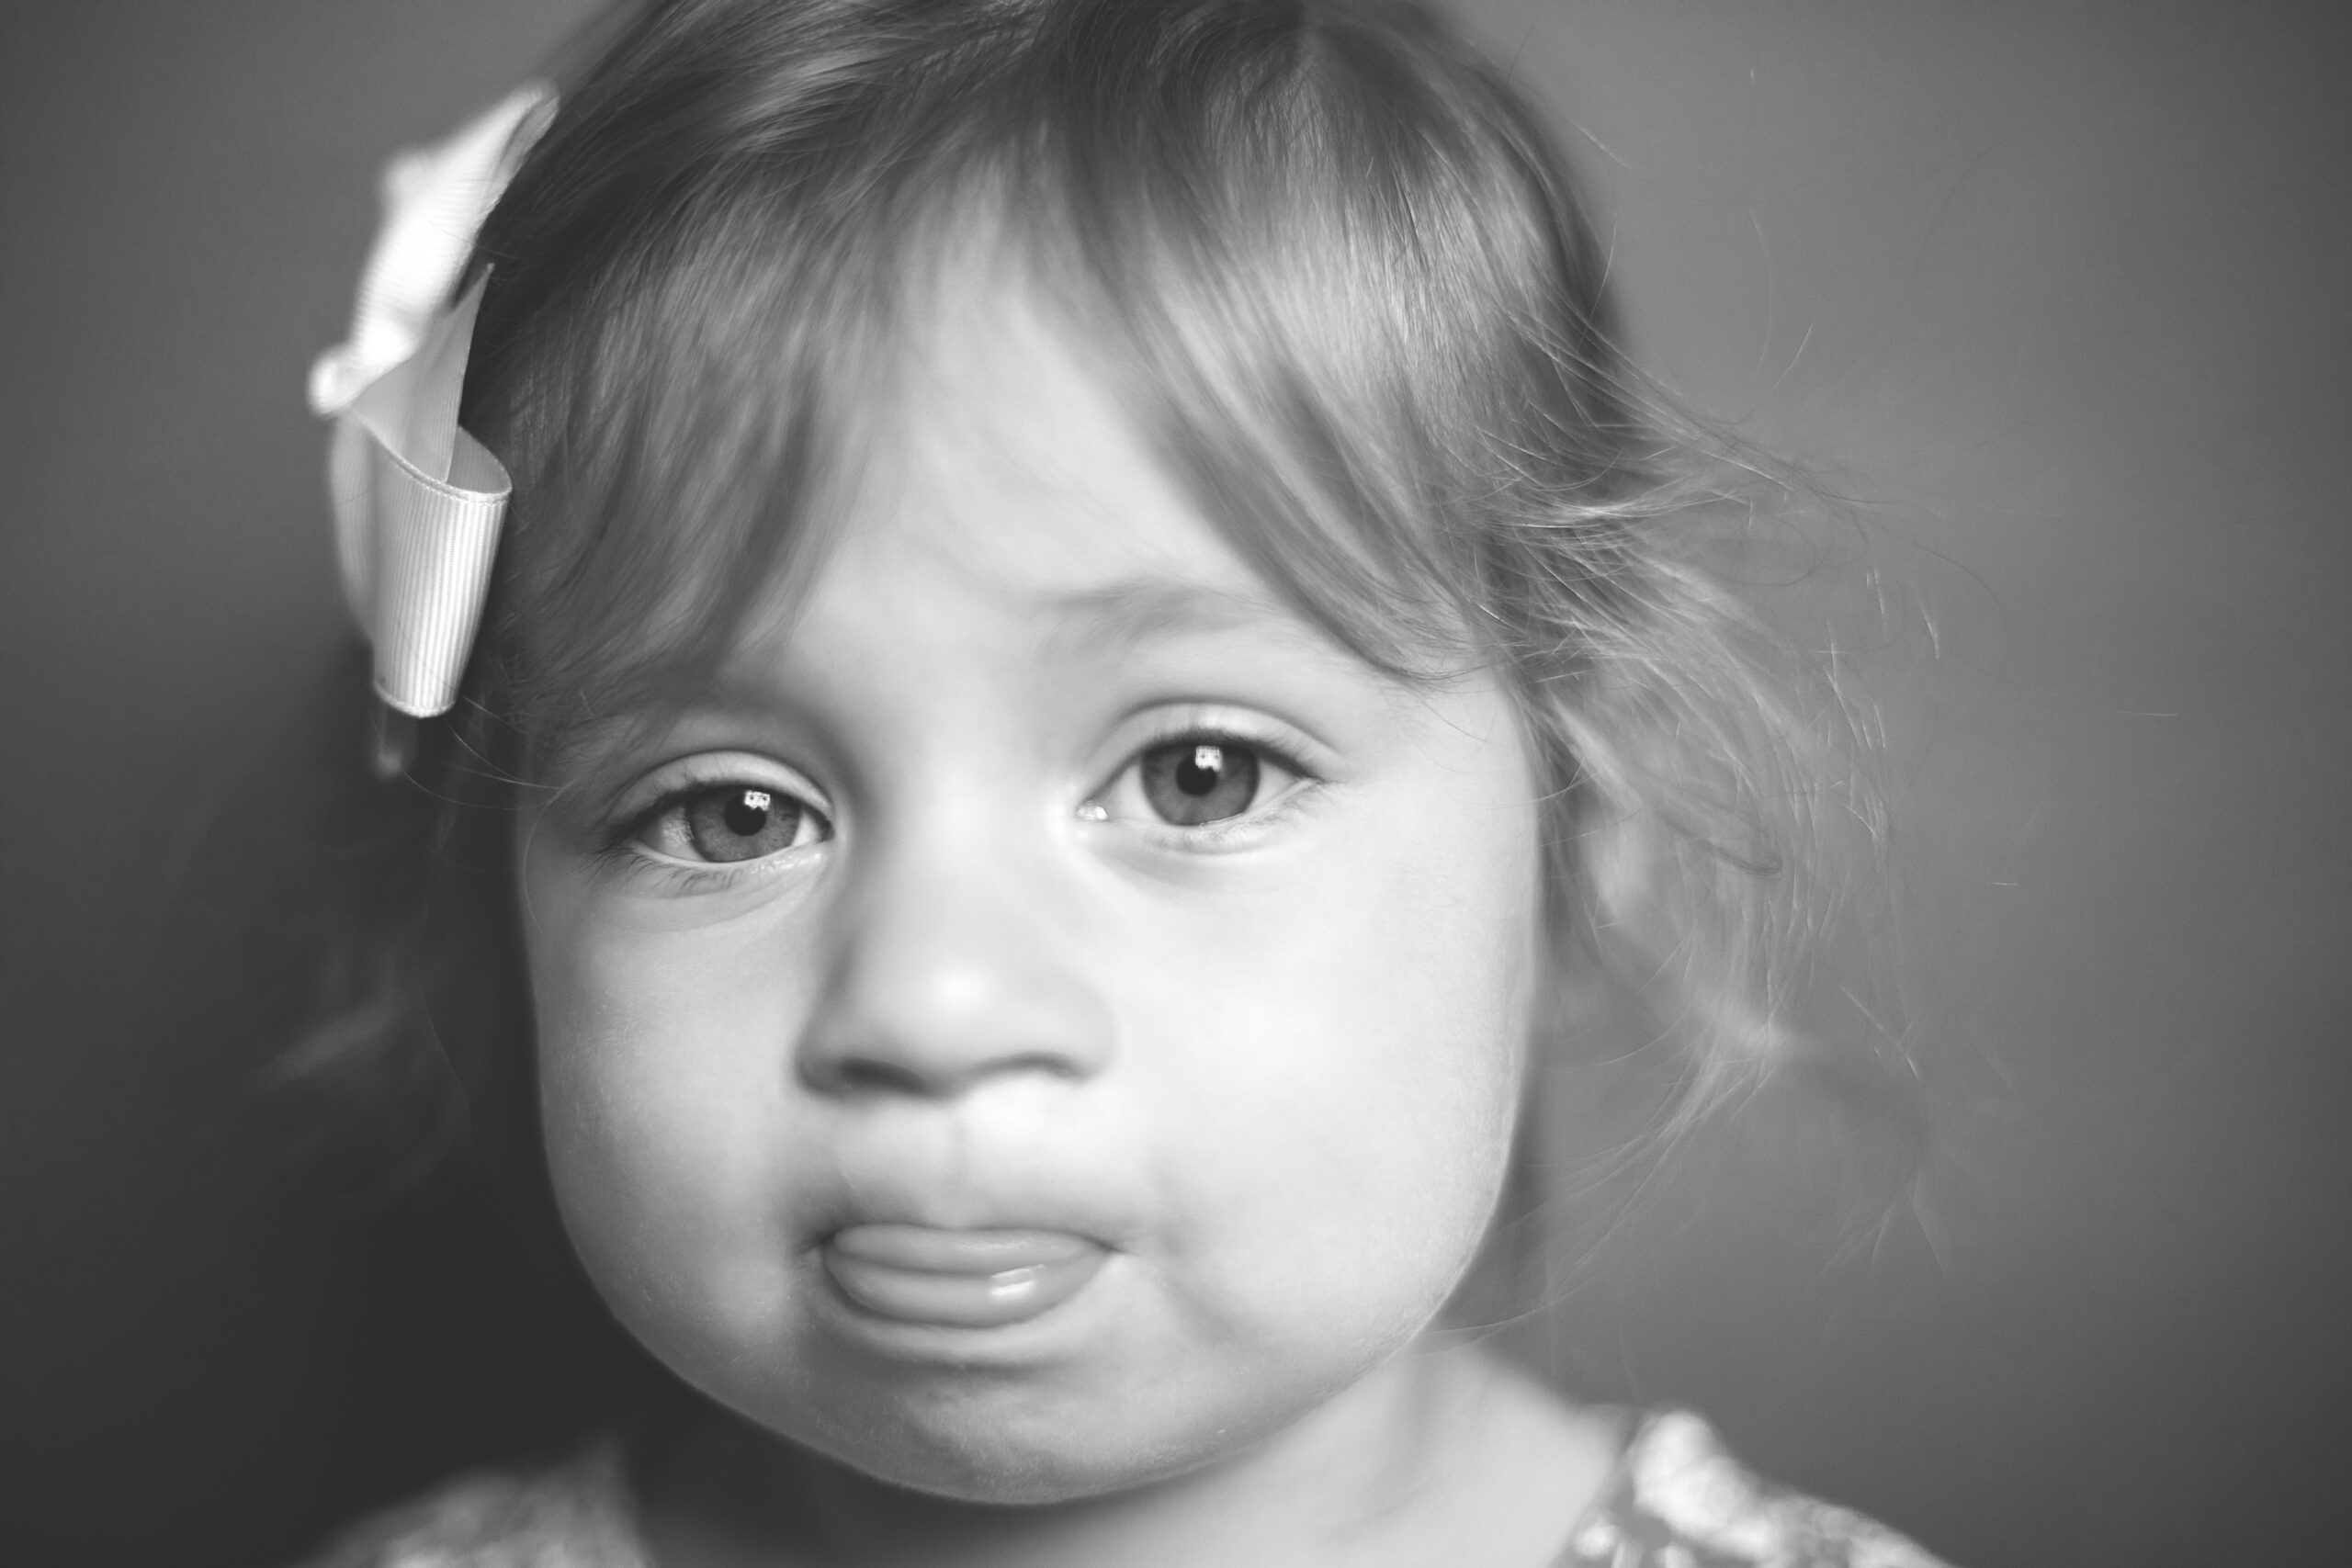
point(951, 1186)
point(934, 1249)
point(959, 1226)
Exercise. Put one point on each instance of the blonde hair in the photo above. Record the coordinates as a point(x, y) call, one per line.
point(1340, 273)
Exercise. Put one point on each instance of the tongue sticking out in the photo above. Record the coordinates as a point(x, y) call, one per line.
point(959, 1279)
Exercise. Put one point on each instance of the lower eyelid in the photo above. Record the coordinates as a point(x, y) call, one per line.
point(629, 839)
point(676, 876)
point(633, 860)
point(1234, 833)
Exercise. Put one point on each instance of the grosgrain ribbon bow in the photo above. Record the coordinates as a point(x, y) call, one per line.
point(417, 501)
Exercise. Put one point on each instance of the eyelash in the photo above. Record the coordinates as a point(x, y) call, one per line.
point(1210, 838)
point(623, 845)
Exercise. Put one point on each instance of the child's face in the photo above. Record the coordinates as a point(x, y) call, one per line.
point(952, 1057)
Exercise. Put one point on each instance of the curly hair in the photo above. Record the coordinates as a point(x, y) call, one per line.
point(1337, 271)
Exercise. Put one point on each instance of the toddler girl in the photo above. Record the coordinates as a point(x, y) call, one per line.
point(1086, 680)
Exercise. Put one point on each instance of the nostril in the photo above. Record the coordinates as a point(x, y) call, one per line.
point(1051, 1063)
point(875, 1075)
point(868, 1074)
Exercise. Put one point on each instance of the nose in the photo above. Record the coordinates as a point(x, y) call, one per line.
point(950, 970)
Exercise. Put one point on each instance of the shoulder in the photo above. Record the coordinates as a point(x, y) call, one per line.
point(1680, 1500)
point(571, 1512)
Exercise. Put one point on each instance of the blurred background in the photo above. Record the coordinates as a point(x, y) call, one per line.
point(2052, 295)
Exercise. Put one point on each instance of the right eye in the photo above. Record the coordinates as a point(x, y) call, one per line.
point(726, 823)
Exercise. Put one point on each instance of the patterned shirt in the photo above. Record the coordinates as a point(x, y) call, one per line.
point(1679, 1500)
point(1674, 1500)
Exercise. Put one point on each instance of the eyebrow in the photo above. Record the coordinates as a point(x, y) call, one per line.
point(1120, 614)
point(1105, 620)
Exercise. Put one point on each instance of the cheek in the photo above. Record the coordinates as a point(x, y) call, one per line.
point(1308, 1108)
point(661, 1082)
point(1349, 1082)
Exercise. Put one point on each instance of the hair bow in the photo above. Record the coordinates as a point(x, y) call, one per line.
point(417, 501)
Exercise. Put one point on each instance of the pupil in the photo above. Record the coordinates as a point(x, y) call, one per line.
point(1191, 784)
point(747, 812)
point(1202, 771)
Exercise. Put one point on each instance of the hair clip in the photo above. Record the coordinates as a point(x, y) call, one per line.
point(417, 501)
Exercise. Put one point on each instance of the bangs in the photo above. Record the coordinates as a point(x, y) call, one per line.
point(1325, 262)
point(679, 430)
point(1335, 271)
point(1344, 284)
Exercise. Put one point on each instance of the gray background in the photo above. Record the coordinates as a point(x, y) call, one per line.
point(2054, 293)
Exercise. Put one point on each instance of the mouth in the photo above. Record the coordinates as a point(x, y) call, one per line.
point(959, 1279)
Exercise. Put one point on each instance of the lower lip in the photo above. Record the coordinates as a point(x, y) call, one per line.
point(959, 1279)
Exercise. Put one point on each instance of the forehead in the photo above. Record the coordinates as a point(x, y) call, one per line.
point(997, 501)
point(1007, 474)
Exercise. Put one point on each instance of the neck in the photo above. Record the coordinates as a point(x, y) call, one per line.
point(1442, 1454)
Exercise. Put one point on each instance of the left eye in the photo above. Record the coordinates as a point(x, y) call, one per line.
point(729, 823)
point(1197, 781)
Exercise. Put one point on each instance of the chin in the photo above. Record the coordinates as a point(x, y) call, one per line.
point(1009, 1447)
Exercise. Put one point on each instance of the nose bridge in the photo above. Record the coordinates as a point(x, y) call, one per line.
point(952, 964)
